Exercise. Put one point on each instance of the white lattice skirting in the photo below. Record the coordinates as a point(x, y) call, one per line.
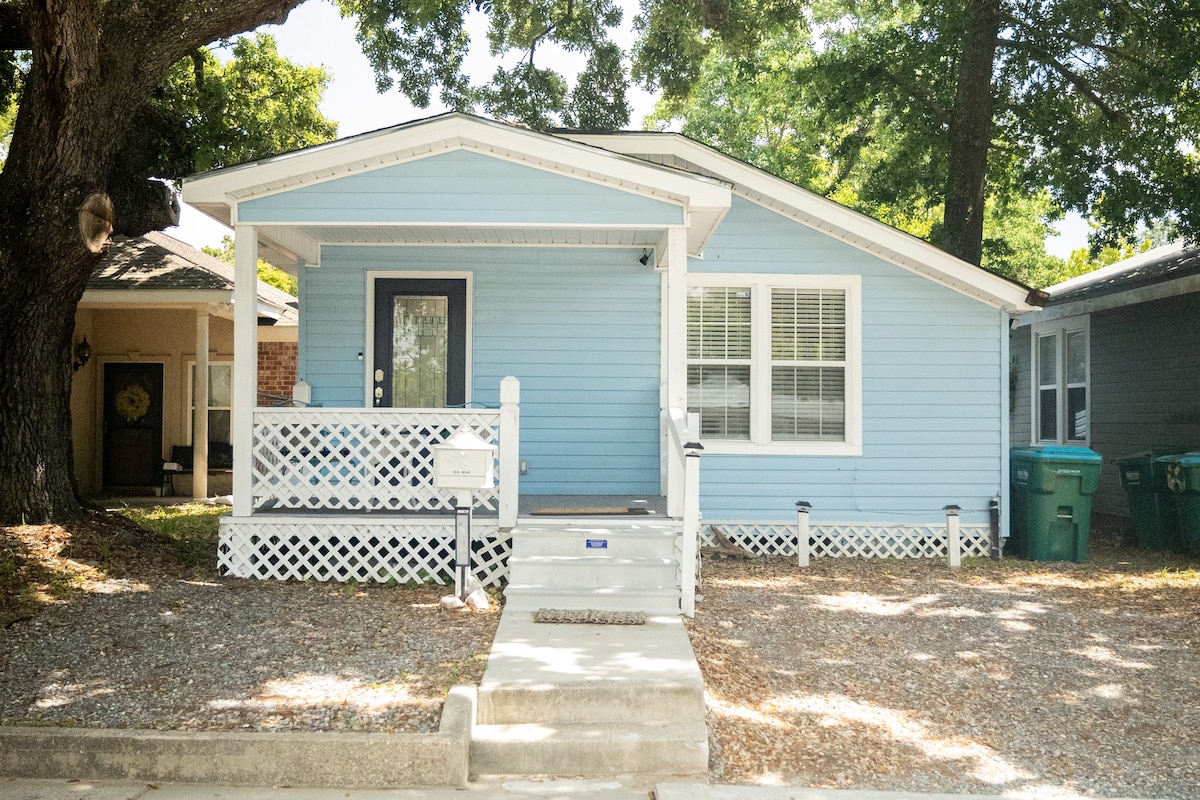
point(850, 540)
point(421, 550)
point(378, 550)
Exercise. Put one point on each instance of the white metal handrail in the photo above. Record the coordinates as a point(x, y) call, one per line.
point(683, 496)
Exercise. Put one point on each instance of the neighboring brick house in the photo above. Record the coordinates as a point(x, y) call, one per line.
point(276, 371)
point(146, 309)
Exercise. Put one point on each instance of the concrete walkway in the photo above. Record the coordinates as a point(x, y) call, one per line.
point(590, 699)
point(618, 788)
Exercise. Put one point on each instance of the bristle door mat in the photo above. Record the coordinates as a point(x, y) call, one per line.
point(614, 511)
point(589, 616)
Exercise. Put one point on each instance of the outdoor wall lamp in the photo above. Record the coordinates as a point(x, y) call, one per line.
point(645, 259)
point(83, 354)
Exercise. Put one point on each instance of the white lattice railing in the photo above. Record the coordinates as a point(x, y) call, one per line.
point(404, 551)
point(851, 539)
point(362, 459)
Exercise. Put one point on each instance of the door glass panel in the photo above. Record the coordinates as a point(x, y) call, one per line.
point(420, 335)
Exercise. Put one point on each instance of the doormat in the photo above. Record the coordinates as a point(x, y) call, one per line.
point(590, 616)
point(589, 511)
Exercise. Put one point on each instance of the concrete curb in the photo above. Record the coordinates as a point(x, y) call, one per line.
point(345, 760)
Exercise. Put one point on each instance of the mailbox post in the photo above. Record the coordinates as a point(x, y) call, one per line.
point(464, 462)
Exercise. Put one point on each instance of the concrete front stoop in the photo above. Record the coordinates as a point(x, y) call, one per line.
point(620, 564)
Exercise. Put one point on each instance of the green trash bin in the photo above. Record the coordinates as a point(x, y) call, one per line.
point(1183, 478)
point(1152, 507)
point(1052, 490)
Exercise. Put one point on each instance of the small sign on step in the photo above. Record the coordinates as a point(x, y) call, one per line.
point(597, 544)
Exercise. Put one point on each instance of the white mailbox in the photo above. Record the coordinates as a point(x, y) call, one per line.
point(464, 461)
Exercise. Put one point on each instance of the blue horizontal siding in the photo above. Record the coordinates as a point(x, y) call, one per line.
point(459, 187)
point(578, 327)
point(931, 391)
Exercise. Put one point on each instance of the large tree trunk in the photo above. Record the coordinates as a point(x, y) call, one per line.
point(970, 133)
point(92, 66)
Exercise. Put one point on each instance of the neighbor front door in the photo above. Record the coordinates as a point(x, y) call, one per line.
point(133, 416)
point(420, 343)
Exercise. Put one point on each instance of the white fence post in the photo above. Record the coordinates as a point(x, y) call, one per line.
point(691, 527)
point(802, 532)
point(953, 540)
point(510, 450)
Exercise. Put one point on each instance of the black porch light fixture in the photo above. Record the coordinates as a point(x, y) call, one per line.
point(83, 354)
point(645, 259)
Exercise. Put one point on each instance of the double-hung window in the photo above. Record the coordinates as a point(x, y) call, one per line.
point(773, 363)
point(220, 402)
point(1060, 380)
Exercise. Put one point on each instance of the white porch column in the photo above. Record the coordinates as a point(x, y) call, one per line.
point(510, 450)
point(200, 410)
point(675, 362)
point(245, 363)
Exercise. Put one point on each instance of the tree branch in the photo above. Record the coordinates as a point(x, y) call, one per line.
point(550, 29)
point(1084, 86)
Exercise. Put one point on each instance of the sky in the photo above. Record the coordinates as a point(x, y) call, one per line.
point(316, 34)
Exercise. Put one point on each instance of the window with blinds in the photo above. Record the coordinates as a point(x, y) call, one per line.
point(769, 363)
point(808, 364)
point(719, 356)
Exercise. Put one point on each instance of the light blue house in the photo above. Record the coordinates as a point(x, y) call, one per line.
point(644, 293)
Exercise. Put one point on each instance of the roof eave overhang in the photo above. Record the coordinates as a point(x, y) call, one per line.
point(827, 216)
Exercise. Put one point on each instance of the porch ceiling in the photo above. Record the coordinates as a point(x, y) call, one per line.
point(291, 246)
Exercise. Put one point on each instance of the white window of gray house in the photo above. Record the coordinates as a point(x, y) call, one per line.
point(773, 363)
point(1060, 363)
point(220, 402)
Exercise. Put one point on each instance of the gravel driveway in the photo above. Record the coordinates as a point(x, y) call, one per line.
point(1057, 680)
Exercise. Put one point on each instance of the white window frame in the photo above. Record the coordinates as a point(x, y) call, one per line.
point(189, 397)
point(1059, 328)
point(760, 286)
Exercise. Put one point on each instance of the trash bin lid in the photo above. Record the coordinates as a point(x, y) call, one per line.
point(1191, 459)
point(1059, 452)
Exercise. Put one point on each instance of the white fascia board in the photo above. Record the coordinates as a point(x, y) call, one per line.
point(160, 298)
point(442, 134)
point(827, 216)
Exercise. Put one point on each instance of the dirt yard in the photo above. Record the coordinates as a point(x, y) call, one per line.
point(1051, 680)
point(1056, 680)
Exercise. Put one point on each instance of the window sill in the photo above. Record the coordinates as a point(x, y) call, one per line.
point(825, 449)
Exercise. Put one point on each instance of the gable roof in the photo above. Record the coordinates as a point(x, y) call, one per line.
point(819, 213)
point(158, 270)
point(705, 200)
point(662, 165)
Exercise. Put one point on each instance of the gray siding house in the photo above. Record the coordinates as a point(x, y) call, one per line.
point(1112, 362)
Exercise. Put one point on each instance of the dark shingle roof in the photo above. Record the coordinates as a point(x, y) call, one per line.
point(158, 261)
point(1153, 267)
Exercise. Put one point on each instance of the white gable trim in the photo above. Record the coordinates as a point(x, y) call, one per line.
point(218, 193)
point(827, 216)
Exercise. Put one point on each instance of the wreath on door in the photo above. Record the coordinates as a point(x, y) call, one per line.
point(133, 402)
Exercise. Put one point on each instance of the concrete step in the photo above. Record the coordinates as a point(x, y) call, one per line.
point(592, 571)
point(591, 540)
point(590, 749)
point(665, 700)
point(651, 600)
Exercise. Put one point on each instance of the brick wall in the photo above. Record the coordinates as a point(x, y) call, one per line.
point(276, 370)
